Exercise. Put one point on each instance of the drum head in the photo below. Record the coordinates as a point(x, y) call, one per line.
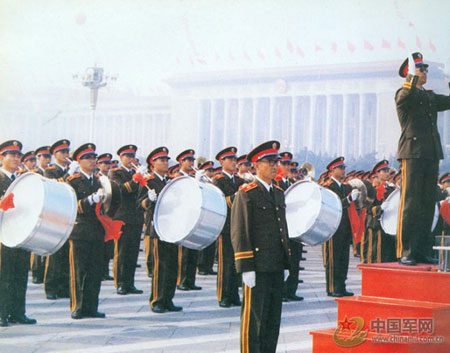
point(178, 209)
point(19, 222)
point(303, 203)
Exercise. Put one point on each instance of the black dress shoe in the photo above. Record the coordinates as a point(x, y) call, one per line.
point(183, 287)
point(408, 261)
point(36, 280)
point(159, 309)
point(301, 268)
point(304, 251)
point(51, 296)
point(337, 294)
point(76, 315)
point(212, 272)
point(138, 265)
point(122, 291)
point(96, 314)
point(194, 287)
point(348, 294)
point(225, 303)
point(134, 290)
point(203, 273)
point(303, 258)
point(284, 299)
point(172, 307)
point(236, 302)
point(3, 322)
point(108, 278)
point(22, 319)
point(300, 281)
point(295, 298)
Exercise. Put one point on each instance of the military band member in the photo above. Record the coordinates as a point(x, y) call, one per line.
point(291, 283)
point(419, 152)
point(227, 278)
point(261, 249)
point(56, 278)
point(173, 171)
point(104, 166)
point(379, 246)
point(206, 256)
point(14, 262)
point(29, 162)
point(337, 248)
point(44, 158)
point(187, 258)
point(165, 255)
point(87, 237)
point(126, 249)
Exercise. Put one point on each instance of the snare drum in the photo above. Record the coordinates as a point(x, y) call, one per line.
point(313, 213)
point(389, 216)
point(190, 213)
point(43, 217)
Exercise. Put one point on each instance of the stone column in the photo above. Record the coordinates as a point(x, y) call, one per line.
point(294, 124)
point(272, 116)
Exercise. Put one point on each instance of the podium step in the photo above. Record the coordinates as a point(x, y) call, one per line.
point(392, 280)
point(382, 309)
point(324, 342)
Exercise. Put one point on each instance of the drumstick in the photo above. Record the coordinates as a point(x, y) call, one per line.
point(135, 168)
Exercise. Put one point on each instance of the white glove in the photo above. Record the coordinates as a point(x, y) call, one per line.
point(249, 278)
point(199, 174)
point(411, 66)
point(141, 170)
point(354, 195)
point(286, 274)
point(97, 197)
point(152, 196)
point(73, 168)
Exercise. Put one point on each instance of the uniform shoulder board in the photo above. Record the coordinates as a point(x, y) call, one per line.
point(277, 187)
point(73, 176)
point(150, 177)
point(248, 187)
point(219, 176)
point(328, 182)
point(51, 167)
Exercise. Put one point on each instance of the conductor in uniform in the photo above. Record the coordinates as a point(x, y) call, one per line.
point(261, 250)
point(87, 238)
point(14, 262)
point(419, 152)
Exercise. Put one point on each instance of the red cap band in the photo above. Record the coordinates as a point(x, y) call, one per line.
point(264, 153)
point(10, 148)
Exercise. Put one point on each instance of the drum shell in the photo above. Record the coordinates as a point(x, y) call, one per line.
point(210, 222)
point(55, 220)
point(326, 220)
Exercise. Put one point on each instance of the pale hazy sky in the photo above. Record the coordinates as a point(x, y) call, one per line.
point(44, 42)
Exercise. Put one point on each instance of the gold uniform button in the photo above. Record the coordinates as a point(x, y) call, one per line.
point(414, 138)
point(256, 249)
point(281, 229)
point(277, 208)
point(279, 219)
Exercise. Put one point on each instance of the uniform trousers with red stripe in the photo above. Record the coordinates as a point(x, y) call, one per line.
point(227, 278)
point(416, 210)
point(261, 313)
point(165, 270)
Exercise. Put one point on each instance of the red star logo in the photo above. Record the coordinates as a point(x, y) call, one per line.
point(345, 325)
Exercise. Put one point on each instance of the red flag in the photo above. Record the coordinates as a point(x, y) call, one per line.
point(246, 56)
point(400, 43)
point(300, 51)
point(410, 24)
point(385, 44)
point(113, 229)
point(318, 48)
point(281, 173)
point(289, 47)
point(261, 55)
point(201, 61)
point(381, 190)
point(418, 42)
point(277, 53)
point(354, 221)
point(334, 47)
point(444, 211)
point(432, 47)
point(350, 46)
point(368, 45)
point(7, 202)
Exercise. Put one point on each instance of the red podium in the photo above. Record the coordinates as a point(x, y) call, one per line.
point(398, 307)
